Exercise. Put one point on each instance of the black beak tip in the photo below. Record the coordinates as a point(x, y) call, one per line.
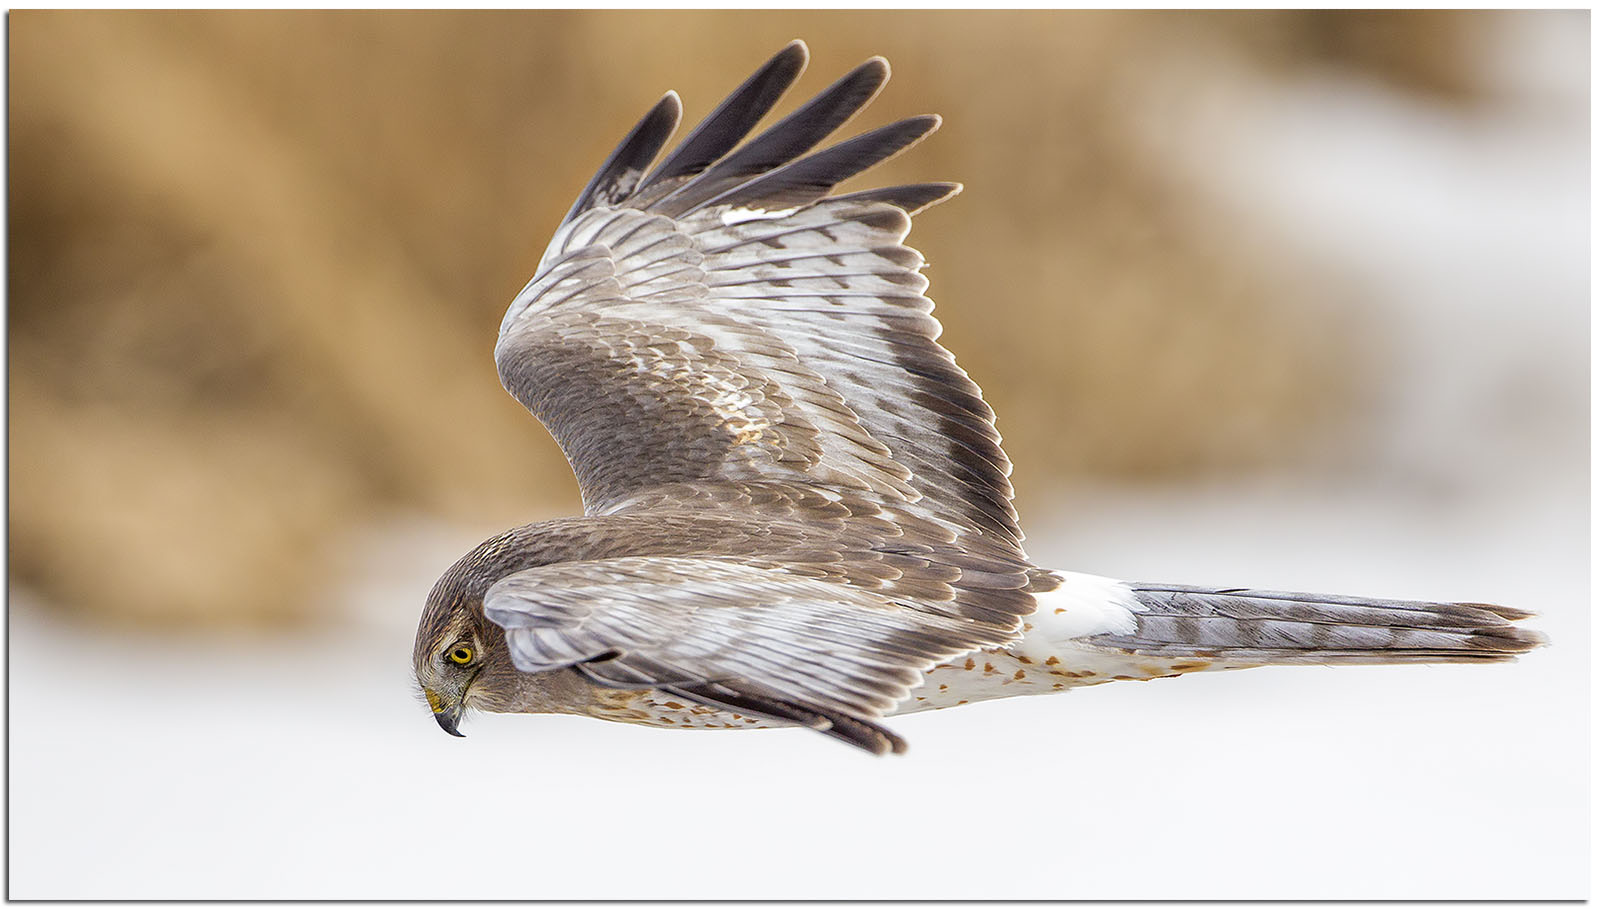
point(448, 720)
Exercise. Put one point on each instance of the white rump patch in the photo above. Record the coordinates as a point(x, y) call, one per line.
point(740, 215)
point(1084, 605)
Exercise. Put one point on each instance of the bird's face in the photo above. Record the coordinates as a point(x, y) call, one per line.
point(461, 659)
point(448, 661)
point(462, 662)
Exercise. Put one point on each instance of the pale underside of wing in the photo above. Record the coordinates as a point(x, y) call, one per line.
point(724, 320)
point(748, 638)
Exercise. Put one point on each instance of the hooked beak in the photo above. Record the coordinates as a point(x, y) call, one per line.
point(448, 717)
point(448, 720)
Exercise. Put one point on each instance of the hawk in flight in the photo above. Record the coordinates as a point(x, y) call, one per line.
point(797, 509)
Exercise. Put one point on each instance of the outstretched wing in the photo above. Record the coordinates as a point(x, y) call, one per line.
point(751, 639)
point(723, 320)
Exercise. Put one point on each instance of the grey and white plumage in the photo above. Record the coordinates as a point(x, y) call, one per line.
point(797, 507)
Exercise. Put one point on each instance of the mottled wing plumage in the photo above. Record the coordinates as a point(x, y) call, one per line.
point(724, 320)
point(746, 637)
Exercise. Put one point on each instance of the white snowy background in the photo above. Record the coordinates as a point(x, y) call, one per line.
point(162, 766)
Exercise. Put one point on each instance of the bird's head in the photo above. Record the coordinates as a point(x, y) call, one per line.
point(460, 657)
point(451, 653)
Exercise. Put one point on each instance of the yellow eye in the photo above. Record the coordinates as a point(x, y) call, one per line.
point(461, 655)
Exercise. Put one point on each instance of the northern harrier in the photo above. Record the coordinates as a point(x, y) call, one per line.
point(797, 510)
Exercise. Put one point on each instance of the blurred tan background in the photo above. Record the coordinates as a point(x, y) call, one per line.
point(257, 261)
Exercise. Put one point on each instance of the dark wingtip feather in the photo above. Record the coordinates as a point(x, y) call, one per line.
point(744, 699)
point(912, 198)
point(867, 736)
point(812, 177)
point(733, 119)
point(784, 141)
point(632, 156)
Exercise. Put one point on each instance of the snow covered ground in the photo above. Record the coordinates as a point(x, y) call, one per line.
point(162, 766)
point(147, 765)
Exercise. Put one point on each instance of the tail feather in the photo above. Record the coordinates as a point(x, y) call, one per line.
point(1265, 626)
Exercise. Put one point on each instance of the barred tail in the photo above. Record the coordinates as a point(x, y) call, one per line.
point(1253, 627)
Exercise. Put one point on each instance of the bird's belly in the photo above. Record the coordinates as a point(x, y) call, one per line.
point(987, 674)
point(1026, 668)
point(654, 708)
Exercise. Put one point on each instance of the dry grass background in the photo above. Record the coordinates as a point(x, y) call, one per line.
point(257, 261)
